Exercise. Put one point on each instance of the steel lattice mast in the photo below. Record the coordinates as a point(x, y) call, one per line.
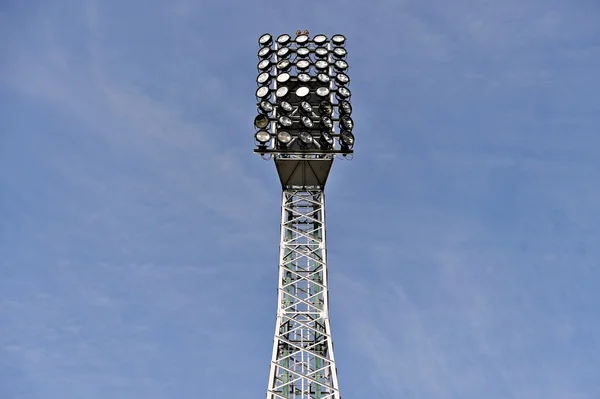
point(302, 96)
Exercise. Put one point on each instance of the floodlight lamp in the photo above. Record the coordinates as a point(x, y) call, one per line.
point(284, 137)
point(263, 78)
point(282, 92)
point(302, 65)
point(283, 77)
point(326, 139)
point(346, 122)
point(302, 39)
point(307, 122)
point(321, 52)
point(264, 65)
point(284, 39)
point(262, 136)
point(285, 121)
point(265, 107)
point(302, 91)
point(323, 78)
point(326, 123)
point(342, 93)
point(340, 65)
point(322, 64)
point(347, 139)
point(322, 91)
point(261, 121)
point(283, 65)
point(305, 107)
point(325, 108)
point(304, 77)
point(338, 39)
point(320, 39)
point(342, 78)
point(263, 92)
point(345, 107)
point(265, 40)
point(283, 52)
point(306, 138)
point(285, 107)
point(302, 51)
point(339, 52)
point(264, 52)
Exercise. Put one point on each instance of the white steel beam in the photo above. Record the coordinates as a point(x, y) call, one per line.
point(302, 364)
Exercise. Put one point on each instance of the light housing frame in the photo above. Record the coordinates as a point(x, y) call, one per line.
point(302, 70)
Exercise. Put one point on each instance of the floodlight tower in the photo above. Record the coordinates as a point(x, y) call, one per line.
point(304, 122)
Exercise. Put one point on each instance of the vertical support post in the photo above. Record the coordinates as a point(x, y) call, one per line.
point(302, 364)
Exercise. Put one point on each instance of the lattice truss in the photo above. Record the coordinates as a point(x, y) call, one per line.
point(302, 365)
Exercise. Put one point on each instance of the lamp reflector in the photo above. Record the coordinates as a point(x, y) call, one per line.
point(302, 91)
point(342, 78)
point(262, 136)
point(261, 121)
point(263, 92)
point(326, 139)
point(286, 107)
point(306, 138)
point(283, 77)
point(322, 64)
point(302, 51)
point(302, 64)
point(346, 122)
point(304, 77)
point(265, 40)
point(341, 65)
point(284, 39)
point(264, 52)
point(284, 137)
point(339, 52)
point(323, 78)
point(266, 107)
point(301, 39)
point(322, 91)
point(320, 39)
point(343, 92)
point(263, 78)
point(282, 91)
point(326, 123)
point(338, 39)
point(283, 65)
point(285, 121)
point(264, 65)
point(321, 52)
point(345, 107)
point(283, 52)
point(305, 107)
point(347, 139)
point(325, 108)
point(307, 122)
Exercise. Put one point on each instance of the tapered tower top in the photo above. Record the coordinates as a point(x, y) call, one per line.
point(304, 106)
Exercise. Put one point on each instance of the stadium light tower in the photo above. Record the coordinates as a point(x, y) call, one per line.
point(304, 122)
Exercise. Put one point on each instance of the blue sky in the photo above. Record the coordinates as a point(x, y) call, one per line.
point(139, 233)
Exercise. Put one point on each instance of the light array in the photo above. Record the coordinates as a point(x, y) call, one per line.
point(303, 97)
